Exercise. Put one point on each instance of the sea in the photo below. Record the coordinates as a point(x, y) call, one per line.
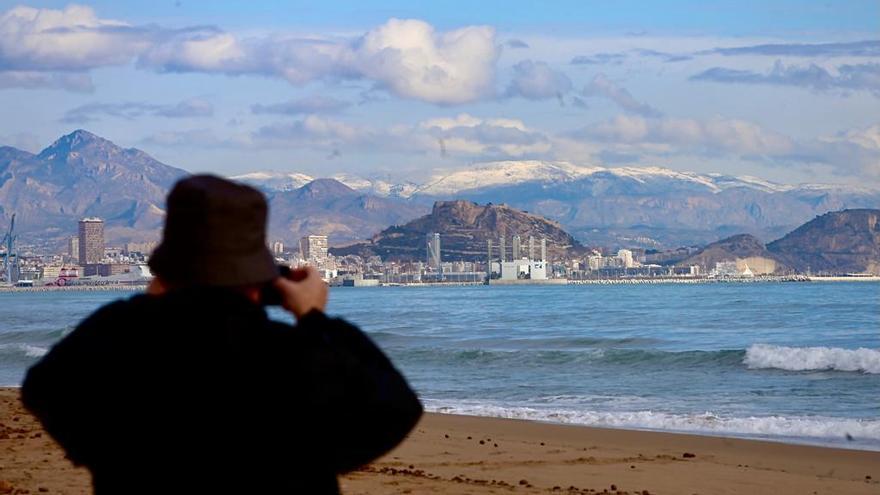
point(789, 362)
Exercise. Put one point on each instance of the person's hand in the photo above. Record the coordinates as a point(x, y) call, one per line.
point(302, 291)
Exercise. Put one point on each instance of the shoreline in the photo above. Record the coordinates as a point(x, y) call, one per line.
point(568, 282)
point(449, 453)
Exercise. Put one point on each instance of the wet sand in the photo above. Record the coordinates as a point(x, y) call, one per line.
point(458, 454)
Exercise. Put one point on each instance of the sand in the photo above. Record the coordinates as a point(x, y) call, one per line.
point(460, 454)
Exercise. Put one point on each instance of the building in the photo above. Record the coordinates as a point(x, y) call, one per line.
point(277, 248)
point(144, 248)
point(626, 258)
point(91, 241)
point(73, 248)
point(432, 241)
point(516, 247)
point(313, 249)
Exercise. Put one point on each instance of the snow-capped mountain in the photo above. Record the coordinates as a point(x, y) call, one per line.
point(271, 181)
point(274, 181)
point(510, 173)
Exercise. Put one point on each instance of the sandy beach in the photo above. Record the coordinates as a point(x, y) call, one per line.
point(460, 454)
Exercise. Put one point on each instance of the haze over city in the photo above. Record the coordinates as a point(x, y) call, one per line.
point(785, 91)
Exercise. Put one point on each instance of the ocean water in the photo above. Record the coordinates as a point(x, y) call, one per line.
point(792, 362)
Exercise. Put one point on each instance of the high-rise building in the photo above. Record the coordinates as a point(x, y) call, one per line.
point(432, 241)
point(73, 248)
point(626, 258)
point(91, 241)
point(543, 249)
point(516, 247)
point(313, 249)
point(531, 247)
point(277, 248)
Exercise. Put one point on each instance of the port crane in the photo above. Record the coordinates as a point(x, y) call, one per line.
point(9, 243)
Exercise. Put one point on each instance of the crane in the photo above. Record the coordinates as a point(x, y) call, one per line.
point(9, 242)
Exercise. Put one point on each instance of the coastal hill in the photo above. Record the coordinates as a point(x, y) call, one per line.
point(465, 228)
point(745, 249)
point(839, 242)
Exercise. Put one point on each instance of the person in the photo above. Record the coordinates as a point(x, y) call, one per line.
point(190, 387)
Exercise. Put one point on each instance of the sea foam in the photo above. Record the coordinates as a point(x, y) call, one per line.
point(764, 356)
point(852, 432)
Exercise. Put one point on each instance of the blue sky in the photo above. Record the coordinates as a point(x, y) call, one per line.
point(784, 90)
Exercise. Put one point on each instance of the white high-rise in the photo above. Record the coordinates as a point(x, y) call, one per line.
point(432, 242)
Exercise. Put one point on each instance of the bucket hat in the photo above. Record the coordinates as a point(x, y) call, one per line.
point(214, 235)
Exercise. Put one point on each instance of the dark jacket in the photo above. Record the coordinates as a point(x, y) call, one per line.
point(198, 391)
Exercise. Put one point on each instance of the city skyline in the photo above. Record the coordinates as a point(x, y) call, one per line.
point(788, 92)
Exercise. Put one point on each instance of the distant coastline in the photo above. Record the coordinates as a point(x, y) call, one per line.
point(601, 281)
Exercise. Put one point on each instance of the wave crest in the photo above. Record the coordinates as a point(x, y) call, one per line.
point(764, 356)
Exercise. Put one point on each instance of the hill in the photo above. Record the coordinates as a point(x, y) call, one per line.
point(839, 242)
point(465, 228)
point(745, 249)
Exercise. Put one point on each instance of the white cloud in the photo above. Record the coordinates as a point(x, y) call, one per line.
point(601, 86)
point(689, 135)
point(407, 57)
point(537, 81)
point(70, 39)
point(474, 136)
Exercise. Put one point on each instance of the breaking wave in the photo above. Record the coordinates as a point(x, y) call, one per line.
point(859, 433)
point(764, 356)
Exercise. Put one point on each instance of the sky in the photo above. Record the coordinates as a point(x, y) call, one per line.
point(788, 91)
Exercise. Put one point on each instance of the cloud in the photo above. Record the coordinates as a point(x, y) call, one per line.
point(665, 57)
point(77, 82)
point(194, 107)
point(710, 136)
point(516, 43)
point(859, 77)
point(537, 81)
point(72, 39)
point(461, 136)
point(310, 105)
point(599, 59)
point(854, 152)
point(406, 57)
point(634, 139)
point(478, 137)
point(601, 86)
point(865, 48)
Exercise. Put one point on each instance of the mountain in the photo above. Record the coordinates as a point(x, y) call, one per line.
point(272, 181)
point(80, 175)
point(839, 242)
point(745, 249)
point(650, 207)
point(329, 207)
point(465, 228)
